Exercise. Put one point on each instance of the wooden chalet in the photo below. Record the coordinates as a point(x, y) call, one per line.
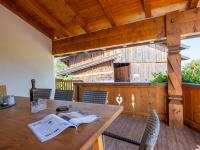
point(136, 63)
point(33, 32)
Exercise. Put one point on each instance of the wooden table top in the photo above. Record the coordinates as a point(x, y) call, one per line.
point(15, 134)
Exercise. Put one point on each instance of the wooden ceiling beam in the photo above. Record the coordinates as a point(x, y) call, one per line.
point(39, 10)
point(108, 13)
point(147, 8)
point(76, 16)
point(193, 3)
point(153, 29)
point(143, 31)
point(11, 6)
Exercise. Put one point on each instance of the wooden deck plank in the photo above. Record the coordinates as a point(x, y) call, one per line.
point(169, 138)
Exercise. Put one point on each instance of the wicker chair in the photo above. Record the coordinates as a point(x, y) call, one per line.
point(98, 97)
point(41, 94)
point(65, 95)
point(149, 137)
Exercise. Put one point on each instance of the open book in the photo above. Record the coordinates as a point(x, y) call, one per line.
point(52, 125)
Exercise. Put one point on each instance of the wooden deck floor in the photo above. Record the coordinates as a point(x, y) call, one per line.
point(169, 139)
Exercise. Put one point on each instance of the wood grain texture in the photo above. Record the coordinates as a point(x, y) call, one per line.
point(15, 134)
point(174, 75)
point(138, 32)
point(193, 3)
point(147, 7)
point(137, 99)
point(169, 138)
point(38, 9)
point(98, 144)
point(191, 96)
point(74, 14)
point(106, 9)
point(60, 18)
point(174, 70)
point(175, 114)
point(144, 60)
point(121, 72)
point(3, 90)
point(142, 31)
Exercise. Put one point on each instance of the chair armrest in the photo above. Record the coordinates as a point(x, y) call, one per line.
point(109, 134)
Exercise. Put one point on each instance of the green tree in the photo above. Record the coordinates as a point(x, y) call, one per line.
point(190, 73)
point(59, 66)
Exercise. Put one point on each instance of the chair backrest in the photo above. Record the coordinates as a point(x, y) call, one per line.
point(3, 90)
point(98, 97)
point(151, 132)
point(42, 94)
point(65, 95)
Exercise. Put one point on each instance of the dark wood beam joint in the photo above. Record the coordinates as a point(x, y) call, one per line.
point(147, 8)
point(76, 16)
point(108, 13)
point(193, 4)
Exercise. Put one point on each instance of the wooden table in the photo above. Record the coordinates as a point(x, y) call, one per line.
point(14, 133)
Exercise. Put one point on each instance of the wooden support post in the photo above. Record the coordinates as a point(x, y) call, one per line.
point(98, 144)
point(174, 70)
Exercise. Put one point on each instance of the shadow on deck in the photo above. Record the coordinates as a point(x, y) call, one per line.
point(169, 138)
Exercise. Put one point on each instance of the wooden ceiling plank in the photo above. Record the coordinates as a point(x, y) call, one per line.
point(76, 16)
point(38, 9)
point(193, 3)
point(147, 8)
point(153, 29)
point(21, 14)
point(106, 9)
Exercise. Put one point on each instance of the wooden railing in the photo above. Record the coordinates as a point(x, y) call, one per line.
point(137, 99)
point(66, 84)
point(191, 97)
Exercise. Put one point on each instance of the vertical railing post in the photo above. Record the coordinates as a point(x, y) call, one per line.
point(174, 70)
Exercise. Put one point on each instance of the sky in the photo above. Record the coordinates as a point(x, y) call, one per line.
point(194, 51)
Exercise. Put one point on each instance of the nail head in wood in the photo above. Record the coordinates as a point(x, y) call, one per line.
point(172, 20)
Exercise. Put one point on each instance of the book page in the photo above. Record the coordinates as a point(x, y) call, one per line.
point(49, 127)
point(78, 117)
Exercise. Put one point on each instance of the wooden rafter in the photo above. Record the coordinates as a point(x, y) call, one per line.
point(139, 32)
point(105, 7)
point(193, 4)
point(47, 17)
point(21, 14)
point(76, 16)
point(147, 7)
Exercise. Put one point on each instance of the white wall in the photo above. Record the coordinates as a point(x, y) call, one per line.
point(25, 53)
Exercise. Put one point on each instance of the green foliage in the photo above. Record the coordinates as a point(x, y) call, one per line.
point(1, 94)
point(190, 73)
point(159, 78)
point(59, 65)
point(68, 77)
